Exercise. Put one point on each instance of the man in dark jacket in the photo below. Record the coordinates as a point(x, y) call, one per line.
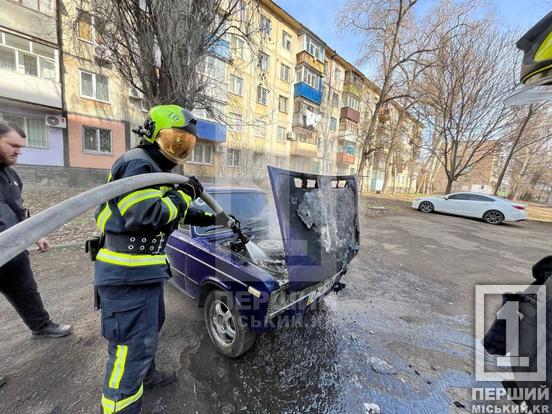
point(131, 266)
point(16, 278)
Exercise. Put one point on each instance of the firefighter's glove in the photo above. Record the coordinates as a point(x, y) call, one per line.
point(193, 188)
point(225, 220)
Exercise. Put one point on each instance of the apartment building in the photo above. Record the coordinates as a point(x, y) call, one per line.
point(288, 100)
point(31, 89)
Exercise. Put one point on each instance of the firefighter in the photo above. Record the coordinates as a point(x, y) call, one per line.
point(131, 266)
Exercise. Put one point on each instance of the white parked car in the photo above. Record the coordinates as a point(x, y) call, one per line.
point(492, 209)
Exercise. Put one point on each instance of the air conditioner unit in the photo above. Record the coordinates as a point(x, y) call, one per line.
point(56, 121)
point(290, 136)
point(221, 149)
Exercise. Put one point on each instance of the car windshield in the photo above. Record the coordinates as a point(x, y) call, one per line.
point(250, 208)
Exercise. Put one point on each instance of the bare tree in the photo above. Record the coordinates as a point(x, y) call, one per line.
point(160, 47)
point(529, 127)
point(461, 100)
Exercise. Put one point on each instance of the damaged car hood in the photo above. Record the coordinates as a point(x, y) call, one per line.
point(318, 217)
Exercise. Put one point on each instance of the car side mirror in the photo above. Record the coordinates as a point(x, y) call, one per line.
point(445, 198)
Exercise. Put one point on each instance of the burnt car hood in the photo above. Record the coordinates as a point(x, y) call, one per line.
point(318, 217)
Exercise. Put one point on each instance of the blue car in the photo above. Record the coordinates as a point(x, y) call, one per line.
point(301, 241)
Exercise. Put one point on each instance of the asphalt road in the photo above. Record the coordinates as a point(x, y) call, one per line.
point(400, 335)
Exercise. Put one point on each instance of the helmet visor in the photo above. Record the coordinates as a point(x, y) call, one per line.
point(176, 144)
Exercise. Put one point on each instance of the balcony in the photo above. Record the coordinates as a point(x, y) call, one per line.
point(30, 89)
point(345, 158)
point(40, 25)
point(308, 59)
point(307, 92)
point(221, 48)
point(350, 113)
point(304, 149)
point(211, 131)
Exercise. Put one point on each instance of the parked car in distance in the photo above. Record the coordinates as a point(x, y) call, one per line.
point(290, 264)
point(492, 209)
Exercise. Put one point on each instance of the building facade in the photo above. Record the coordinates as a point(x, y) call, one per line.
point(287, 100)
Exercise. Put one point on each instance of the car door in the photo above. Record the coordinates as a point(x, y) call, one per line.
point(456, 203)
point(479, 205)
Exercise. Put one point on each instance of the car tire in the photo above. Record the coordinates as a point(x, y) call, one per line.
point(228, 332)
point(426, 207)
point(493, 217)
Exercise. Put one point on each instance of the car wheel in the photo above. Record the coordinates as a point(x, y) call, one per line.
point(228, 332)
point(426, 207)
point(493, 217)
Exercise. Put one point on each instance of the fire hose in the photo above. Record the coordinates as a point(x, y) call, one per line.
point(23, 235)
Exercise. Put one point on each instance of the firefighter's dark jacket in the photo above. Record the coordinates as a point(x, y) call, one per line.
point(11, 205)
point(136, 225)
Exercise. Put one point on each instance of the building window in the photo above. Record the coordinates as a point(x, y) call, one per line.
point(20, 55)
point(314, 48)
point(236, 85)
point(34, 127)
point(262, 95)
point(202, 154)
point(215, 68)
point(94, 86)
point(89, 27)
point(263, 61)
point(233, 157)
point(286, 40)
point(283, 104)
point(280, 134)
point(335, 100)
point(238, 46)
point(352, 102)
point(333, 123)
point(97, 140)
point(235, 122)
point(43, 6)
point(260, 129)
point(284, 72)
point(310, 77)
point(337, 75)
point(266, 25)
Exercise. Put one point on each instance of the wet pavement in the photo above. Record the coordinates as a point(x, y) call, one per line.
point(400, 335)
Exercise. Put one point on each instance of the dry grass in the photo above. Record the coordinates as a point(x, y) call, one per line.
point(540, 212)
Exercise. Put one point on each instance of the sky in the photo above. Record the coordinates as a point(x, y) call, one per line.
point(319, 16)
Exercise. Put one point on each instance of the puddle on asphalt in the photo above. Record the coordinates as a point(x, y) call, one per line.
point(325, 366)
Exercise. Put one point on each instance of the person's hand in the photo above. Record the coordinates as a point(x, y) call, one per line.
point(225, 220)
point(43, 244)
point(193, 187)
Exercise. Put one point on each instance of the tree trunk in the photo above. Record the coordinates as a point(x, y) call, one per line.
point(513, 149)
point(449, 185)
point(389, 156)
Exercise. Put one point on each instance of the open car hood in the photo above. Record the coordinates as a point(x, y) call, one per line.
point(318, 217)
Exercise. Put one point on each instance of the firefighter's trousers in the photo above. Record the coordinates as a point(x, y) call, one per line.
point(132, 316)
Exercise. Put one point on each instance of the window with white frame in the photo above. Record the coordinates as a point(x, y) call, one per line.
point(240, 10)
point(96, 140)
point(314, 48)
point(89, 27)
point(265, 25)
point(262, 95)
point(284, 72)
point(24, 56)
point(236, 85)
point(94, 86)
point(264, 61)
point(280, 134)
point(333, 123)
point(233, 157)
point(215, 68)
point(286, 40)
point(202, 154)
point(260, 128)
point(43, 6)
point(238, 46)
point(310, 77)
point(34, 127)
point(337, 75)
point(235, 122)
point(353, 102)
point(283, 104)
